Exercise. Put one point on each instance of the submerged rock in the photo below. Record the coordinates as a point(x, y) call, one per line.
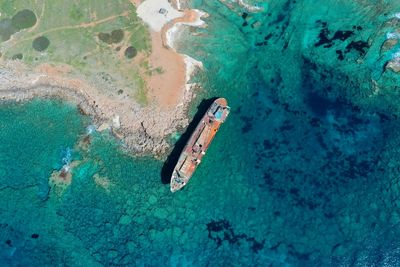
point(389, 44)
point(161, 213)
point(152, 199)
point(394, 65)
point(125, 219)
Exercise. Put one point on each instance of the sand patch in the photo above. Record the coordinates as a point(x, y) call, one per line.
point(157, 13)
point(165, 88)
point(103, 182)
point(168, 87)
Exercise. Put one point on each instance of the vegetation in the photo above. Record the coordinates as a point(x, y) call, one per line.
point(40, 43)
point(24, 19)
point(117, 36)
point(91, 36)
point(130, 52)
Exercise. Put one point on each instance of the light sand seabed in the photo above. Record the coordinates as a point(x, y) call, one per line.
point(143, 129)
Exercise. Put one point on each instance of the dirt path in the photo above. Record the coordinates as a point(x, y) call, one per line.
point(14, 41)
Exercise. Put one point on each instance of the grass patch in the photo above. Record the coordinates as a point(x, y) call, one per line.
point(72, 37)
point(76, 13)
point(141, 91)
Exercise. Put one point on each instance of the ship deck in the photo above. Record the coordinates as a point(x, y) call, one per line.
point(200, 140)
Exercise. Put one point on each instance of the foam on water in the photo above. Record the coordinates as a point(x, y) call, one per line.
point(90, 129)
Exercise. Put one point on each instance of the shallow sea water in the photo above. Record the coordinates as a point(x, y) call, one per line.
point(305, 171)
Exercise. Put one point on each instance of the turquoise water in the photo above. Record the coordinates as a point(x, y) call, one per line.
point(305, 171)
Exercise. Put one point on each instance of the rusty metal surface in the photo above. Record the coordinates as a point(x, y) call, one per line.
point(198, 143)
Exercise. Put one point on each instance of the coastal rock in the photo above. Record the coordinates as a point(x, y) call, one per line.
point(389, 44)
point(143, 129)
point(103, 127)
point(116, 122)
point(394, 65)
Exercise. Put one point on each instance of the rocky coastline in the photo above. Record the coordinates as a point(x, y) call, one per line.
point(142, 128)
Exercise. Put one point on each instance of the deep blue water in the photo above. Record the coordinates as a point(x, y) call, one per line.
point(305, 171)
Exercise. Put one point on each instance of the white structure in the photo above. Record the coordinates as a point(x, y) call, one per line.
point(149, 12)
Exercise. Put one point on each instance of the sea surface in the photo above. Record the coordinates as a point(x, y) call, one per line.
point(305, 171)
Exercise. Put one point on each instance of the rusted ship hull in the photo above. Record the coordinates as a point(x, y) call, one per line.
point(198, 143)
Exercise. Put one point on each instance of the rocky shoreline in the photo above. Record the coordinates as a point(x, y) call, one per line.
point(142, 129)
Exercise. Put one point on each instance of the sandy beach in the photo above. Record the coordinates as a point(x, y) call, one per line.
point(168, 88)
point(142, 128)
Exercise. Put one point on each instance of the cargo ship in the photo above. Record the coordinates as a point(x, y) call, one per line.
point(198, 143)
